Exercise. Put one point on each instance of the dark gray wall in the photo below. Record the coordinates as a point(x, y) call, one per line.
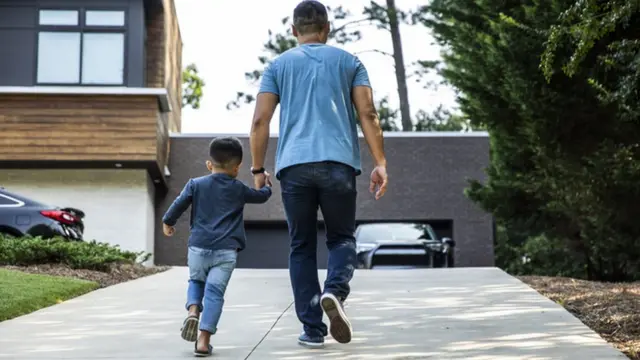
point(18, 37)
point(428, 175)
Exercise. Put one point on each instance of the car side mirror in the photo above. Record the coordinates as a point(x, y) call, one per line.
point(449, 241)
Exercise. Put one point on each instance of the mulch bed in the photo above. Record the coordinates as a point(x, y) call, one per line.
point(610, 309)
point(116, 275)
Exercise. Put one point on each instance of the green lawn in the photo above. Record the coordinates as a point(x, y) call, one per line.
point(22, 293)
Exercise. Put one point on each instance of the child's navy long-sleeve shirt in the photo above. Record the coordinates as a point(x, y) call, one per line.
point(217, 203)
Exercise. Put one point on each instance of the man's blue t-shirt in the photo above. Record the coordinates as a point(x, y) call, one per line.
point(317, 117)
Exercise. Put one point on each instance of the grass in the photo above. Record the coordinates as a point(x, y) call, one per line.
point(22, 293)
point(610, 309)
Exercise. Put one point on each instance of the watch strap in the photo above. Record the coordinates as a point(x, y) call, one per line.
point(258, 171)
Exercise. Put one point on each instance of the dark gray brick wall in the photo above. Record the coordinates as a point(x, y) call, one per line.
point(428, 173)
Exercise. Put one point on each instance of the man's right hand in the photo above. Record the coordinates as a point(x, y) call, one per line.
point(378, 182)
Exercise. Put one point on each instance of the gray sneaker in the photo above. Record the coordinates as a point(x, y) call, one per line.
point(339, 325)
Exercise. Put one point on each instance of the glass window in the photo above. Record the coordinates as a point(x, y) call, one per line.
point(104, 18)
point(103, 58)
point(395, 231)
point(59, 58)
point(59, 17)
point(6, 201)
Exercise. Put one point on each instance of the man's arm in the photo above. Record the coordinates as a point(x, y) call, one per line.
point(362, 97)
point(254, 196)
point(179, 206)
point(266, 103)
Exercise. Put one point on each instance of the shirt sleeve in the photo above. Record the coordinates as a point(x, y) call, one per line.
point(361, 77)
point(180, 205)
point(268, 84)
point(253, 196)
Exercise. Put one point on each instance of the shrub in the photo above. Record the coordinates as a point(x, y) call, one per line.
point(75, 254)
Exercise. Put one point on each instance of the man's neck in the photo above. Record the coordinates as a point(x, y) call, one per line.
point(310, 39)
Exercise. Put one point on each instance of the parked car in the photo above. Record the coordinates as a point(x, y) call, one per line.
point(20, 216)
point(402, 245)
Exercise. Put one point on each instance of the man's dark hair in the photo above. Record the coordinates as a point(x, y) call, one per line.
point(310, 17)
point(225, 152)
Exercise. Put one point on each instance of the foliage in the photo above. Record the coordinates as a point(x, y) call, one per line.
point(563, 173)
point(192, 87)
point(443, 120)
point(603, 35)
point(24, 293)
point(75, 254)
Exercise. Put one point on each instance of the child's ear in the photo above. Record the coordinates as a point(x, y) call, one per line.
point(209, 165)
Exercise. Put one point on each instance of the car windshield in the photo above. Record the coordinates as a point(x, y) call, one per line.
point(376, 232)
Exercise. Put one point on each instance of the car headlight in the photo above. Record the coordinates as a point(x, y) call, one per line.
point(364, 247)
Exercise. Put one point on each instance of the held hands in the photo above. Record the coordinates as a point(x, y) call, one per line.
point(378, 183)
point(262, 180)
point(168, 230)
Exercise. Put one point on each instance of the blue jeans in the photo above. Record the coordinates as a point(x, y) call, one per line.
point(209, 274)
point(331, 187)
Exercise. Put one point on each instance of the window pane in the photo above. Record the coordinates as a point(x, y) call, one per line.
point(5, 201)
point(105, 18)
point(59, 17)
point(103, 59)
point(59, 57)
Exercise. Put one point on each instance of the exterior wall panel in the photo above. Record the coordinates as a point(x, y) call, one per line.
point(64, 127)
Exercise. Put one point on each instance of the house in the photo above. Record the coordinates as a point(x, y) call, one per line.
point(90, 97)
point(89, 91)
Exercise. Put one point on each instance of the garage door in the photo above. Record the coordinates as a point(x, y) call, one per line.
point(268, 247)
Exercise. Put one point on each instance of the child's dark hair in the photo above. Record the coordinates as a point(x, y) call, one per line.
point(225, 152)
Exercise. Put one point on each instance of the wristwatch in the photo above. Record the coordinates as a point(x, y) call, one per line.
point(258, 170)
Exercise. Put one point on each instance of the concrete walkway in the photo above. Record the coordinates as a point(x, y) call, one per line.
point(471, 314)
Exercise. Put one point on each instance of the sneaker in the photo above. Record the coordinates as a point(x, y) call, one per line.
point(311, 341)
point(339, 325)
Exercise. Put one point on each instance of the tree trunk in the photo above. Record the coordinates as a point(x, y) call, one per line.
point(398, 58)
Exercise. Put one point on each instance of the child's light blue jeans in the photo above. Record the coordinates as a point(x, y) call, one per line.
point(209, 274)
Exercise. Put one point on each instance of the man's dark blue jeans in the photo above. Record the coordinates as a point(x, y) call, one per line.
point(331, 187)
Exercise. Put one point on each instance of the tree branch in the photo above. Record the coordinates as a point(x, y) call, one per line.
point(375, 51)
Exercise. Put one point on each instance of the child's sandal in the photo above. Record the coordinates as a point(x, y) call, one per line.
point(200, 353)
point(189, 329)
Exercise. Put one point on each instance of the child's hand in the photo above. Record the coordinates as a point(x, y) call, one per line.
point(168, 230)
point(268, 179)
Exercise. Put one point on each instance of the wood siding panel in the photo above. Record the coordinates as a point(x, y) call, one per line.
point(78, 128)
point(164, 56)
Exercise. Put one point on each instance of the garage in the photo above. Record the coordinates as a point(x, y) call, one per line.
point(268, 247)
point(268, 244)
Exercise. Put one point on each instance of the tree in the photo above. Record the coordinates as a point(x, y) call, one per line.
point(609, 31)
point(344, 30)
point(192, 87)
point(443, 120)
point(561, 178)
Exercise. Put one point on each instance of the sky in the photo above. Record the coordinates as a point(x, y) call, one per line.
point(225, 38)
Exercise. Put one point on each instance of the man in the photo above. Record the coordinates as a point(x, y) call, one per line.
point(317, 160)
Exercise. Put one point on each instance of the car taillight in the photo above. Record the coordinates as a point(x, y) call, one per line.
point(60, 216)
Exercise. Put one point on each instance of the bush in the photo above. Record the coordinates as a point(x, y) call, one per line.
point(75, 254)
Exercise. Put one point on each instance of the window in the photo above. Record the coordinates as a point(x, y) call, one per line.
point(81, 47)
point(8, 201)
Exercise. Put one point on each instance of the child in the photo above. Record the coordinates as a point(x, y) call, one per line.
point(217, 235)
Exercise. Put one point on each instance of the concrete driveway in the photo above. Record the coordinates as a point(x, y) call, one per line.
point(464, 313)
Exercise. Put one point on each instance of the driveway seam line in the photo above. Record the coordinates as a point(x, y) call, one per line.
point(269, 331)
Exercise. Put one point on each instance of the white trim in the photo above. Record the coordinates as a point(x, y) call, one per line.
point(160, 93)
point(18, 203)
point(389, 134)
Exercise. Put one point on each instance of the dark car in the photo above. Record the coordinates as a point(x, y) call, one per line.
point(402, 245)
point(20, 216)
